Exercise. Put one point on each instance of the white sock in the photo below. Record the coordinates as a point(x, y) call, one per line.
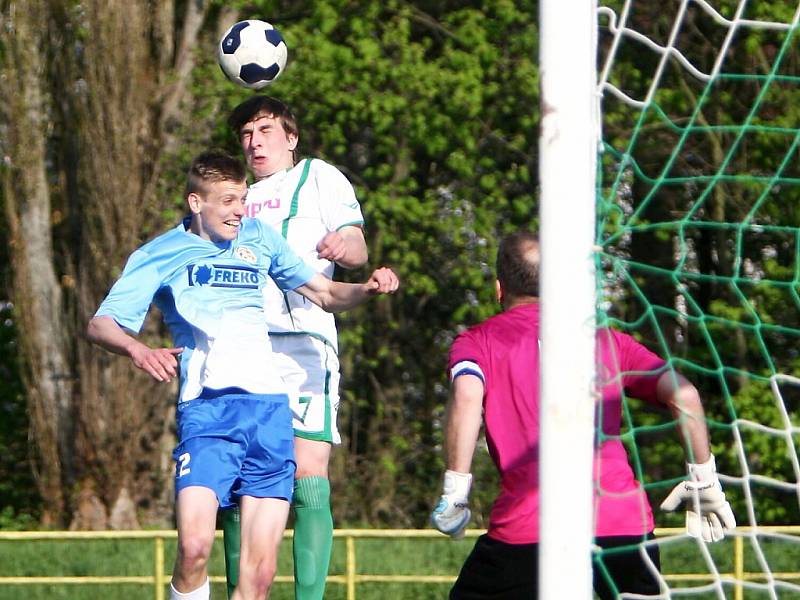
point(201, 593)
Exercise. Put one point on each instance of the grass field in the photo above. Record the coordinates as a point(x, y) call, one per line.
point(135, 557)
point(397, 556)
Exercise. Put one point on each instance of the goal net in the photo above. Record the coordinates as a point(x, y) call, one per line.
point(698, 236)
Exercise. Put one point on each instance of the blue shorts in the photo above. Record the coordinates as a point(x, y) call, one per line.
point(236, 445)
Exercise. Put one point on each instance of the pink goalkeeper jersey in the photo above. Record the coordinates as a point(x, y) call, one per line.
point(504, 352)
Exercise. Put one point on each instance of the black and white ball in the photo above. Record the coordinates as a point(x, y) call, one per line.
point(252, 54)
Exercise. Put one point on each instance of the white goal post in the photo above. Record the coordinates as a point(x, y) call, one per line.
point(567, 166)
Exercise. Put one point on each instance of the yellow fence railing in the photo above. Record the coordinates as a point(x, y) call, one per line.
point(351, 578)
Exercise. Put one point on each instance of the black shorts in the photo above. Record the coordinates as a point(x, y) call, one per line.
point(629, 570)
point(495, 570)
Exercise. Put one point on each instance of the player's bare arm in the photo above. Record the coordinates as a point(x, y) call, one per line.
point(336, 296)
point(463, 422)
point(708, 513)
point(159, 363)
point(346, 247)
point(683, 401)
point(462, 426)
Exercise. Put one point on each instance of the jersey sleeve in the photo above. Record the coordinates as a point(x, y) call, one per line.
point(466, 358)
point(641, 368)
point(339, 206)
point(130, 297)
point(286, 268)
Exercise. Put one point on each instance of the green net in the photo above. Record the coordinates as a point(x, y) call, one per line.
point(698, 243)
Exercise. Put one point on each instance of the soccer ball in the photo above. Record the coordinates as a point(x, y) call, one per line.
point(252, 53)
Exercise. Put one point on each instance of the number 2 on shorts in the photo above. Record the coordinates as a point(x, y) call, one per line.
point(183, 463)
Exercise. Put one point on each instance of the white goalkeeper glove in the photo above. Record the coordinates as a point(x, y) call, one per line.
point(452, 513)
point(708, 514)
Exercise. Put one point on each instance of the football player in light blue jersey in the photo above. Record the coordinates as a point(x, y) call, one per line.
point(233, 418)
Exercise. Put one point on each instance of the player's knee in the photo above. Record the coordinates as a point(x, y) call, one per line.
point(312, 458)
point(194, 551)
point(311, 464)
point(259, 577)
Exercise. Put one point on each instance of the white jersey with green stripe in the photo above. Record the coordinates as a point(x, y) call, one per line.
point(303, 204)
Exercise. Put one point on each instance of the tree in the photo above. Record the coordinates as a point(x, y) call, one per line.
point(88, 121)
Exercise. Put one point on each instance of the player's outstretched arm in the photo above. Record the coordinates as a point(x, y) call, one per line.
point(683, 401)
point(462, 426)
point(159, 363)
point(346, 247)
point(337, 296)
point(708, 513)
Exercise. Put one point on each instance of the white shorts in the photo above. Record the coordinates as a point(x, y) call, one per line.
point(310, 368)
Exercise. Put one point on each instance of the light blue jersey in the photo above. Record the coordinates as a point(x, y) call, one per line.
point(210, 296)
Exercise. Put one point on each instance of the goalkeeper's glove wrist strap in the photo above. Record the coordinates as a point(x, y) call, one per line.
point(457, 483)
point(703, 471)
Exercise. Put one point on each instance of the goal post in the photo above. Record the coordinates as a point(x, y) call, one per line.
point(568, 146)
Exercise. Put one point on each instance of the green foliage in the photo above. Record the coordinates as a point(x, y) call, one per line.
point(10, 520)
point(431, 110)
point(19, 502)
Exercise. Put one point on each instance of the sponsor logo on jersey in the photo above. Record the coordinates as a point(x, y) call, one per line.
point(253, 208)
point(224, 276)
point(246, 254)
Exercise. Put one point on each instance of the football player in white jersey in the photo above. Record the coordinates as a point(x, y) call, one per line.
point(235, 436)
point(314, 207)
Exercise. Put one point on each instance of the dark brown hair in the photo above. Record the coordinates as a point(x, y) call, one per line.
point(518, 264)
point(257, 106)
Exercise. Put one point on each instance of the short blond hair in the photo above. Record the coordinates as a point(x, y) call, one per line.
point(213, 166)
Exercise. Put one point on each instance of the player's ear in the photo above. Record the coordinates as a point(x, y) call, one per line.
point(292, 139)
point(498, 291)
point(194, 201)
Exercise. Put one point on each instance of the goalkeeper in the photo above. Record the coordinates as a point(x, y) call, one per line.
point(495, 380)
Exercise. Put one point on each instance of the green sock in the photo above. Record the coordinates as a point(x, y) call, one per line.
point(232, 539)
point(313, 536)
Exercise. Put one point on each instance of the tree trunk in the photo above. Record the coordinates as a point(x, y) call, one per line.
point(93, 93)
point(45, 338)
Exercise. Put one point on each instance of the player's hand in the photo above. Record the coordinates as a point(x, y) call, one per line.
point(452, 513)
point(708, 514)
point(332, 247)
point(159, 363)
point(383, 281)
